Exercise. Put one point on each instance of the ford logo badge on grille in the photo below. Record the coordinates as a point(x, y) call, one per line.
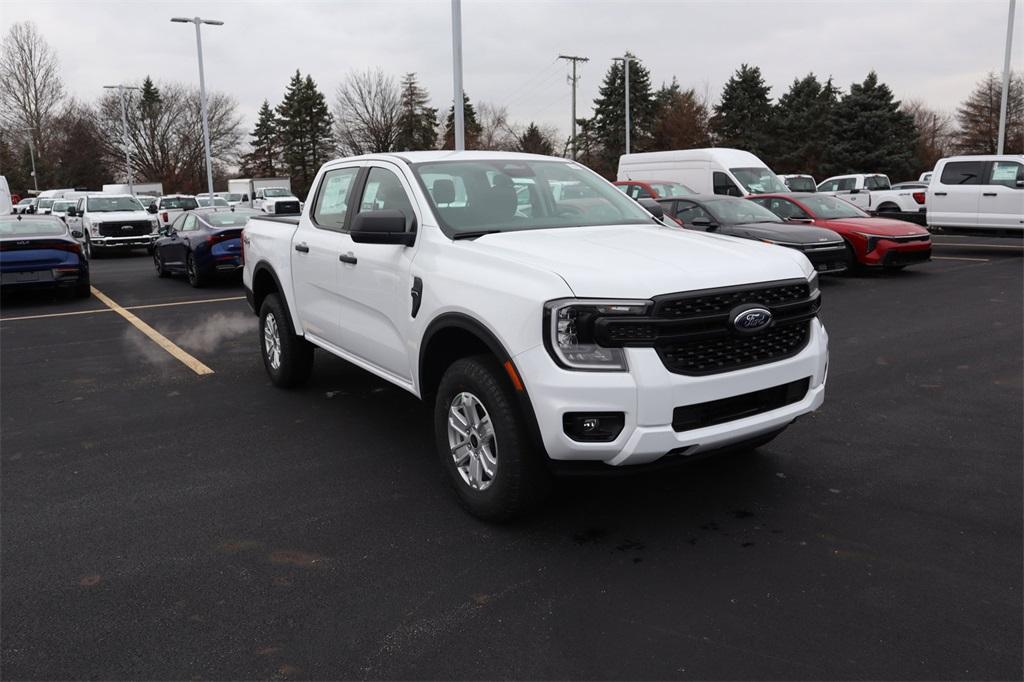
point(125, 228)
point(752, 320)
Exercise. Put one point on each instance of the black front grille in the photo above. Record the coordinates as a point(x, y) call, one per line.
point(286, 208)
point(714, 412)
point(724, 353)
point(897, 257)
point(724, 301)
point(129, 228)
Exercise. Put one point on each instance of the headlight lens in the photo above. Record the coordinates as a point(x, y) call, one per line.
point(812, 283)
point(569, 334)
point(94, 228)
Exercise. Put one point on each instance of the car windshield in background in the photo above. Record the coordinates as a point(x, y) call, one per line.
point(830, 208)
point(670, 189)
point(110, 204)
point(61, 206)
point(146, 201)
point(230, 196)
point(732, 211)
point(759, 180)
point(801, 184)
point(501, 195)
point(217, 201)
point(276, 192)
point(876, 182)
point(26, 202)
point(186, 203)
point(35, 227)
point(45, 203)
point(227, 219)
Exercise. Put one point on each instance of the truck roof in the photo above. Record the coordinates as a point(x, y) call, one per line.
point(449, 155)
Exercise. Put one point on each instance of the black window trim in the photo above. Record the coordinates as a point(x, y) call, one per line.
point(413, 226)
point(983, 176)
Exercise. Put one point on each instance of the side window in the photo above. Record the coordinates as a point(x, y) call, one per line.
point(641, 192)
point(1007, 173)
point(332, 199)
point(963, 173)
point(786, 209)
point(188, 222)
point(81, 206)
point(767, 203)
point(687, 211)
point(846, 184)
point(633, 191)
point(723, 185)
point(384, 191)
point(829, 186)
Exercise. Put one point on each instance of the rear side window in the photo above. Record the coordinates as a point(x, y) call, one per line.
point(332, 199)
point(1007, 173)
point(963, 173)
point(687, 211)
point(876, 182)
point(723, 185)
point(846, 184)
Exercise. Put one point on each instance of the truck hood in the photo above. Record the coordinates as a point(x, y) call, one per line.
point(636, 261)
point(881, 226)
point(794, 233)
point(118, 216)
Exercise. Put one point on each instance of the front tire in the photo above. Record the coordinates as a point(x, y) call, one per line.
point(483, 443)
point(158, 262)
point(287, 357)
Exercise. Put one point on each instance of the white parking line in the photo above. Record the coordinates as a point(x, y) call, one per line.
point(155, 336)
point(127, 307)
point(982, 246)
point(983, 260)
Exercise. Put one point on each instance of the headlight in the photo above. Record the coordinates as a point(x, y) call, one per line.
point(569, 332)
point(812, 284)
point(94, 229)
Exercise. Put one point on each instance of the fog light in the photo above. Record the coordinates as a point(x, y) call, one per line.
point(593, 427)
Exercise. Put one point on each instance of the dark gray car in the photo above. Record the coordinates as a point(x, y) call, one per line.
point(741, 218)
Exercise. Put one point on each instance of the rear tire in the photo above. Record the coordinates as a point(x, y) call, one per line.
point(195, 277)
point(483, 443)
point(83, 289)
point(287, 357)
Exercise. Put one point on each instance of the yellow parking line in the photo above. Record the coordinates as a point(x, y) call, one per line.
point(155, 336)
point(127, 307)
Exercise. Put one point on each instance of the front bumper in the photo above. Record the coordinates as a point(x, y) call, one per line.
point(828, 259)
point(648, 394)
point(888, 253)
point(122, 242)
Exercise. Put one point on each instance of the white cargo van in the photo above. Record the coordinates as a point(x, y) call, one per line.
point(978, 193)
point(5, 197)
point(717, 170)
point(148, 189)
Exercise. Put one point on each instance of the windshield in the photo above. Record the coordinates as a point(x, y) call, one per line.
point(876, 182)
point(510, 195)
point(26, 202)
point(802, 184)
point(217, 201)
point(146, 201)
point(230, 196)
point(670, 189)
point(226, 219)
point(109, 204)
point(35, 227)
point(61, 206)
point(276, 192)
point(829, 207)
point(45, 203)
point(759, 180)
point(186, 203)
point(733, 211)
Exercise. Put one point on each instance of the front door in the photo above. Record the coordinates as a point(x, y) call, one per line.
point(954, 199)
point(1002, 201)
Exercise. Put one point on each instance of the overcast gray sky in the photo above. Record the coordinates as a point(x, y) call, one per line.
point(933, 50)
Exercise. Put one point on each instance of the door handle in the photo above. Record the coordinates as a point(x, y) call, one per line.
point(348, 258)
point(302, 248)
point(940, 194)
point(989, 194)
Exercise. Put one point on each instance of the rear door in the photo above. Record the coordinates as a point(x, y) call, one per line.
point(1001, 204)
point(954, 196)
point(316, 246)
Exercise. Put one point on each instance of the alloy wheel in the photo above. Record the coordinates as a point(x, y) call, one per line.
point(472, 442)
point(272, 341)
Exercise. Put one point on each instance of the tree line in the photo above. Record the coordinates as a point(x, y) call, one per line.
point(814, 127)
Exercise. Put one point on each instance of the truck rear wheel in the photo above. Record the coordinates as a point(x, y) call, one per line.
point(287, 357)
point(483, 442)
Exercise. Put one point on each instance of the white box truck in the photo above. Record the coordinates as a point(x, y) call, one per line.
point(717, 170)
point(148, 189)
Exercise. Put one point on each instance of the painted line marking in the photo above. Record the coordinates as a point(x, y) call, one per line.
point(983, 260)
point(982, 246)
point(154, 336)
point(127, 307)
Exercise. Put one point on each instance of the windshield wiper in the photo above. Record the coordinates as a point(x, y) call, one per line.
point(474, 235)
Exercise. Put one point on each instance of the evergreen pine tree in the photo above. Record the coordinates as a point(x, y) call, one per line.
point(305, 125)
point(681, 121)
point(743, 115)
point(533, 141)
point(870, 133)
point(264, 160)
point(417, 125)
point(471, 126)
point(609, 121)
point(802, 126)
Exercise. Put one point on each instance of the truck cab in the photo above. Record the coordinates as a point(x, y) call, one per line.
point(984, 193)
point(112, 221)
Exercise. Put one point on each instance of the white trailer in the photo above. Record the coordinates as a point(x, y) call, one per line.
point(147, 189)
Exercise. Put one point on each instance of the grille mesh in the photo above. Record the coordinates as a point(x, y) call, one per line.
point(725, 353)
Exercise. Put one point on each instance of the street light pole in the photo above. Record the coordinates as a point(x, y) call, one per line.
point(1006, 79)
point(458, 109)
point(625, 66)
point(124, 131)
point(198, 21)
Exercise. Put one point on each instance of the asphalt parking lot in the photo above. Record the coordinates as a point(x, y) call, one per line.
point(161, 523)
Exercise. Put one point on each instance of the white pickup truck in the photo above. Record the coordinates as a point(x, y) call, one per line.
point(550, 334)
point(873, 193)
point(276, 201)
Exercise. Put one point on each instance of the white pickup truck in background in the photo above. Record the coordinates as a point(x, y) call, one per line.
point(873, 193)
point(277, 201)
point(549, 333)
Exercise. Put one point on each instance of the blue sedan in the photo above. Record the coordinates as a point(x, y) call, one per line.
point(39, 252)
point(201, 244)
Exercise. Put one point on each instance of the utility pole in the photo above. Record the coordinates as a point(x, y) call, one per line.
point(573, 80)
point(32, 156)
point(198, 21)
point(458, 108)
point(1006, 78)
point(625, 67)
point(124, 132)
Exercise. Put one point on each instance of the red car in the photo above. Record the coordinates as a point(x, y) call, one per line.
point(653, 189)
point(878, 242)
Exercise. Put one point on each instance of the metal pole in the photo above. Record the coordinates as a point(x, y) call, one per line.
point(32, 155)
point(202, 98)
point(457, 104)
point(574, 79)
point(127, 157)
point(625, 65)
point(1006, 79)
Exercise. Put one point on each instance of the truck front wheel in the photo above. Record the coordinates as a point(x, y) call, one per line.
point(483, 442)
point(287, 356)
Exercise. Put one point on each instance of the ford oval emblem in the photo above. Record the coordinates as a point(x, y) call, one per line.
point(752, 320)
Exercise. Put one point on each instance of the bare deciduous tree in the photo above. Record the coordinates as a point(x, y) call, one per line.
point(496, 133)
point(367, 111)
point(935, 132)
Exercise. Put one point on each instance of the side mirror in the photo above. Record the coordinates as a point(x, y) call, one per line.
point(704, 224)
point(855, 191)
point(653, 207)
point(163, 230)
point(77, 234)
point(1020, 183)
point(151, 208)
point(381, 227)
point(72, 212)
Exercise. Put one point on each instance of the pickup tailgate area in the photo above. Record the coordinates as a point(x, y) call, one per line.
point(266, 249)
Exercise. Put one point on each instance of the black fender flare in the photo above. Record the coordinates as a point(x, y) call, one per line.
point(250, 295)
